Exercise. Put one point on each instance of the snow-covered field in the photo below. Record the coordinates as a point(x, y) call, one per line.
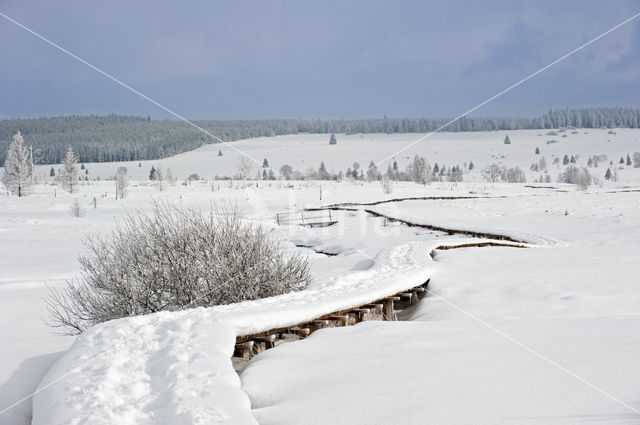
point(573, 298)
point(308, 150)
point(507, 335)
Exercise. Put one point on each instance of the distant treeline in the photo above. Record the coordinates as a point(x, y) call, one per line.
point(129, 138)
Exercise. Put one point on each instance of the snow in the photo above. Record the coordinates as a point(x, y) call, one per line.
point(572, 296)
point(165, 368)
point(574, 303)
point(302, 151)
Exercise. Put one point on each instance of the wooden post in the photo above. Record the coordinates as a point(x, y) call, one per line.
point(389, 312)
point(244, 349)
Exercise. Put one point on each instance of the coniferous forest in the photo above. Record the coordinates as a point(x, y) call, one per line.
point(129, 138)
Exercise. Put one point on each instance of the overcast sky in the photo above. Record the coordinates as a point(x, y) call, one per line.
point(324, 59)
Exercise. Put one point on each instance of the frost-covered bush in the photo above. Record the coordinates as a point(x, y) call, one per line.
point(577, 176)
point(494, 172)
point(174, 259)
point(513, 175)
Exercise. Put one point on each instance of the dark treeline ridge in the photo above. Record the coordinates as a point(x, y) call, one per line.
point(109, 138)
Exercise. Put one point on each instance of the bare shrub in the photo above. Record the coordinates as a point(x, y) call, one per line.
point(174, 259)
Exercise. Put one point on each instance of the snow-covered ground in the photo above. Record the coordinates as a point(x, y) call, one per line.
point(507, 335)
point(572, 298)
point(302, 151)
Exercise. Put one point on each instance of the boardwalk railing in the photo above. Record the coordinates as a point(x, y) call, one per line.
point(320, 218)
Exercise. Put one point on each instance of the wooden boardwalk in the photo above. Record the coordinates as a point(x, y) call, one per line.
point(248, 346)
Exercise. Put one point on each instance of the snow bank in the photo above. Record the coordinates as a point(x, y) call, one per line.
point(165, 368)
point(175, 368)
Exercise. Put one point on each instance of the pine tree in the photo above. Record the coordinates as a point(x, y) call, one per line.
point(265, 163)
point(573, 159)
point(507, 141)
point(372, 172)
point(565, 159)
point(436, 169)
point(628, 160)
point(333, 140)
point(607, 175)
point(219, 153)
point(152, 173)
point(471, 166)
point(52, 172)
point(69, 176)
point(537, 151)
point(17, 170)
point(621, 160)
point(322, 172)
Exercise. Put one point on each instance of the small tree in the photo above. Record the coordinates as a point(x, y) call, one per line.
point(265, 163)
point(421, 170)
point(17, 171)
point(52, 172)
point(76, 209)
point(69, 174)
point(455, 174)
point(245, 167)
point(220, 153)
point(471, 166)
point(537, 151)
point(175, 259)
point(565, 159)
point(159, 178)
point(372, 172)
point(333, 140)
point(507, 141)
point(285, 171)
point(122, 182)
point(492, 172)
point(608, 175)
point(577, 176)
point(170, 177)
point(628, 160)
point(323, 174)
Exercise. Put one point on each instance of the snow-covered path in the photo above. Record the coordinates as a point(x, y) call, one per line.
point(175, 367)
point(583, 273)
point(574, 302)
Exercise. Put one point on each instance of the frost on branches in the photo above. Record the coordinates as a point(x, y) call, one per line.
point(175, 259)
point(18, 170)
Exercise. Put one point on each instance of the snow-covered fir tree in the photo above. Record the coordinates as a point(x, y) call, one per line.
point(17, 176)
point(69, 174)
